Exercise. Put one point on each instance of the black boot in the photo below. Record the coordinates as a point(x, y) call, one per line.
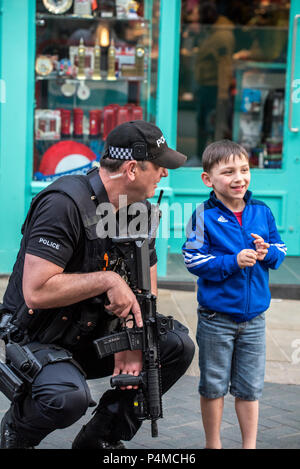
point(88, 440)
point(96, 434)
point(9, 436)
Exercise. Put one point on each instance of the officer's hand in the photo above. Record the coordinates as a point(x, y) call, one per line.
point(128, 362)
point(122, 300)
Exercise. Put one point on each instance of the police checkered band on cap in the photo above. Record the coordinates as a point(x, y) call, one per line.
point(120, 153)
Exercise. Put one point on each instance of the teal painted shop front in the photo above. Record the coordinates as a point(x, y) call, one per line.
point(183, 189)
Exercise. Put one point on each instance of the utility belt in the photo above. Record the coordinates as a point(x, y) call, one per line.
point(21, 366)
point(67, 326)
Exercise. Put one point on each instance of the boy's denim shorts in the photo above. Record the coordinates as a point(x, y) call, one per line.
point(231, 355)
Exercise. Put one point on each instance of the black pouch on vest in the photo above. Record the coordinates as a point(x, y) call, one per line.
point(85, 325)
point(72, 335)
point(59, 322)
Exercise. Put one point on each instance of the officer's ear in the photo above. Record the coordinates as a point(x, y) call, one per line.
point(131, 167)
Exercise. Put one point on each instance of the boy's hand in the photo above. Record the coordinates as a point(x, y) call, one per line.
point(260, 246)
point(246, 258)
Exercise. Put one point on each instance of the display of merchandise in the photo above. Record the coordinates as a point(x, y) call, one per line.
point(78, 123)
point(97, 63)
point(82, 60)
point(88, 78)
point(107, 8)
point(57, 6)
point(47, 124)
point(44, 65)
point(62, 124)
point(65, 123)
point(82, 7)
point(95, 8)
point(122, 8)
point(133, 9)
point(139, 61)
point(111, 63)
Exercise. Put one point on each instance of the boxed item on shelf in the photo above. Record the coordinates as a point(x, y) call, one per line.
point(47, 124)
point(88, 60)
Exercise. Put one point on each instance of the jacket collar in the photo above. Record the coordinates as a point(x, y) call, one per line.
point(217, 202)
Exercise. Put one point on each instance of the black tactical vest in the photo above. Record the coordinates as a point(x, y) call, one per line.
point(70, 326)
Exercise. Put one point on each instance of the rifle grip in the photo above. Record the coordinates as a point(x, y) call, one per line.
point(126, 380)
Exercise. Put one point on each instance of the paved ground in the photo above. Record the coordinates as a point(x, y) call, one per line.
point(181, 427)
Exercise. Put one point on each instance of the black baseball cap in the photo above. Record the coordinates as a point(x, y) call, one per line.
point(142, 141)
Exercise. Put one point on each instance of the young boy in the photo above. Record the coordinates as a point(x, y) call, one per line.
point(232, 243)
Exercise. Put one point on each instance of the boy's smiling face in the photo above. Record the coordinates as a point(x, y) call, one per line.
point(230, 181)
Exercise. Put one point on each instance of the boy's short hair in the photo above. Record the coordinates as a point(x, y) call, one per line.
point(221, 151)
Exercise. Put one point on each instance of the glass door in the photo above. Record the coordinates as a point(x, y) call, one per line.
point(239, 79)
point(232, 77)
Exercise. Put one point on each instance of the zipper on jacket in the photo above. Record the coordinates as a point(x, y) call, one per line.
point(248, 271)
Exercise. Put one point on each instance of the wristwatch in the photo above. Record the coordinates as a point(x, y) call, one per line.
point(57, 6)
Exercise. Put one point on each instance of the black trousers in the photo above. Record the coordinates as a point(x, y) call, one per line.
point(61, 396)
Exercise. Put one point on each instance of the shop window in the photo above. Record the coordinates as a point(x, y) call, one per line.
point(95, 68)
point(232, 77)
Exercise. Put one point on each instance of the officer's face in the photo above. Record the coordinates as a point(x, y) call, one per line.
point(147, 179)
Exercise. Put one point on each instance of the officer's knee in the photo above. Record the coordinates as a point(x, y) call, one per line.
point(178, 350)
point(64, 407)
point(187, 348)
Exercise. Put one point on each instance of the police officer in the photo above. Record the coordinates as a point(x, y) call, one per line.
point(56, 296)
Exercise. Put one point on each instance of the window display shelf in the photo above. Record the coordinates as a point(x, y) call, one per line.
point(49, 16)
point(244, 64)
point(77, 81)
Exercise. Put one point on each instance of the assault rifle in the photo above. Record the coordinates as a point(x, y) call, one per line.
point(130, 259)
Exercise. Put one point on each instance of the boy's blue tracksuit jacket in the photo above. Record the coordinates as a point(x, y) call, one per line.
point(214, 238)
